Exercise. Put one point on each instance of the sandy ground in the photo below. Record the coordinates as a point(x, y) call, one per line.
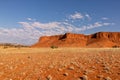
point(60, 64)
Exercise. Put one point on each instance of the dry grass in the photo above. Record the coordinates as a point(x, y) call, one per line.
point(57, 50)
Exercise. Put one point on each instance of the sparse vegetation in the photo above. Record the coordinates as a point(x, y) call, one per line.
point(54, 47)
point(115, 46)
point(9, 45)
point(5, 47)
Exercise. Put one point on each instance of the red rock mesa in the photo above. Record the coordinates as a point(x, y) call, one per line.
point(96, 40)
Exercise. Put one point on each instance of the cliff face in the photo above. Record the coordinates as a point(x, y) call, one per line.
point(100, 39)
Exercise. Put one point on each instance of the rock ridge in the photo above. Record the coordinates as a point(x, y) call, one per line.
point(99, 39)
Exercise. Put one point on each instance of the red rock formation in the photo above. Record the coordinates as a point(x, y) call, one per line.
point(100, 39)
point(104, 39)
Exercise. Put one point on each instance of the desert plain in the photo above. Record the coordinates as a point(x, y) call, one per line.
point(60, 63)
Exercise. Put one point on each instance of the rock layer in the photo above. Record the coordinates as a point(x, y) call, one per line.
point(100, 39)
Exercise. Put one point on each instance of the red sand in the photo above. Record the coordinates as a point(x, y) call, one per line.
point(61, 65)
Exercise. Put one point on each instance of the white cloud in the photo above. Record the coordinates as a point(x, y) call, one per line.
point(26, 25)
point(79, 16)
point(76, 16)
point(46, 25)
point(104, 18)
point(30, 31)
point(96, 24)
point(92, 26)
point(88, 16)
point(29, 19)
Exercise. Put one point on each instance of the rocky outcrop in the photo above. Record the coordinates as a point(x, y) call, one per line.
point(100, 39)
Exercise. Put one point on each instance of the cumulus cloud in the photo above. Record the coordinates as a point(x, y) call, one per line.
point(49, 25)
point(91, 26)
point(26, 25)
point(76, 16)
point(52, 28)
point(29, 31)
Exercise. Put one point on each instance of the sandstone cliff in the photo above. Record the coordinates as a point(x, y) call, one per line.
point(100, 39)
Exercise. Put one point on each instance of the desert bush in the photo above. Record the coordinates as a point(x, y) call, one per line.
point(5, 47)
point(53, 47)
point(115, 46)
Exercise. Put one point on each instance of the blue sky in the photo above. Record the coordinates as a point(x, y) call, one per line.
point(24, 21)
